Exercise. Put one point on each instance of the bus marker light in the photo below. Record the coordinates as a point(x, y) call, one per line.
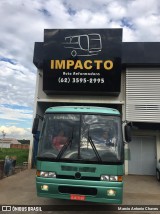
point(44, 187)
point(38, 173)
point(120, 178)
point(111, 192)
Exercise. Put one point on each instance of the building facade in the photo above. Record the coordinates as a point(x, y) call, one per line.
point(8, 142)
point(133, 87)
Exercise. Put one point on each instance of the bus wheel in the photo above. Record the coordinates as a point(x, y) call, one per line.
point(158, 175)
point(74, 53)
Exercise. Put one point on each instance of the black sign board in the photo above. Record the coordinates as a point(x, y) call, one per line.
point(82, 61)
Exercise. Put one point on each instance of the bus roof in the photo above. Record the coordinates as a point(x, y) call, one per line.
point(82, 109)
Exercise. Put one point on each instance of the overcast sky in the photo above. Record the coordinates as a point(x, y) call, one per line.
point(23, 22)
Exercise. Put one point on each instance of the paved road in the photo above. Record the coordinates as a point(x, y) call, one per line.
point(20, 189)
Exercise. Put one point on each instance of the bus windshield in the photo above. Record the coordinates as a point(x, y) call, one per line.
point(81, 138)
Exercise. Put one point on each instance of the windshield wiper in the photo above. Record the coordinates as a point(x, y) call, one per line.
point(64, 148)
point(94, 148)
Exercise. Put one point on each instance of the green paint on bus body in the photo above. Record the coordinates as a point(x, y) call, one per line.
point(67, 179)
point(66, 185)
point(82, 109)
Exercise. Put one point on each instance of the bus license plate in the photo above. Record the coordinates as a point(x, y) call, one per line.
point(77, 197)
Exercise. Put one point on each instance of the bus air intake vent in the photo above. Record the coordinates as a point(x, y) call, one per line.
point(69, 168)
point(77, 190)
point(87, 178)
point(87, 169)
point(80, 169)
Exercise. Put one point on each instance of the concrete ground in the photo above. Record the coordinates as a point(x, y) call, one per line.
point(19, 189)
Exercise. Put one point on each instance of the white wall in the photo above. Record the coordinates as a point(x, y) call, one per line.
point(5, 145)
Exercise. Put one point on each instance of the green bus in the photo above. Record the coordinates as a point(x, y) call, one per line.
point(81, 154)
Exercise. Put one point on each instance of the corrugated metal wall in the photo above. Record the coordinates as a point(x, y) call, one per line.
point(142, 155)
point(143, 95)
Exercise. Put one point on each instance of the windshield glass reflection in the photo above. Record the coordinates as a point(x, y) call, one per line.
point(81, 137)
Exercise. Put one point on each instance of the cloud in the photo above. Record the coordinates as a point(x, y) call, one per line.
point(17, 84)
point(16, 121)
point(16, 114)
point(23, 22)
point(15, 132)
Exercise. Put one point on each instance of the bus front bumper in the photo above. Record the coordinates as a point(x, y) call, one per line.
point(95, 191)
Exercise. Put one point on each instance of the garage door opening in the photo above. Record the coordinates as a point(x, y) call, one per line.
point(142, 159)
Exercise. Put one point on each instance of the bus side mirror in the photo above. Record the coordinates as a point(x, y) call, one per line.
point(127, 133)
point(35, 125)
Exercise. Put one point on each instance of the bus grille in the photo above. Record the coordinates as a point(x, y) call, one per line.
point(80, 169)
point(77, 190)
point(88, 178)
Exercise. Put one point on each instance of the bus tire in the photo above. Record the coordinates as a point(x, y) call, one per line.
point(158, 175)
point(74, 53)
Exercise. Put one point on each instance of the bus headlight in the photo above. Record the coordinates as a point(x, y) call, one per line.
point(104, 177)
point(45, 174)
point(44, 187)
point(112, 178)
point(51, 174)
point(111, 192)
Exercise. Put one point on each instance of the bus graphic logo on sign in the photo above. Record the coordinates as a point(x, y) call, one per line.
point(84, 45)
